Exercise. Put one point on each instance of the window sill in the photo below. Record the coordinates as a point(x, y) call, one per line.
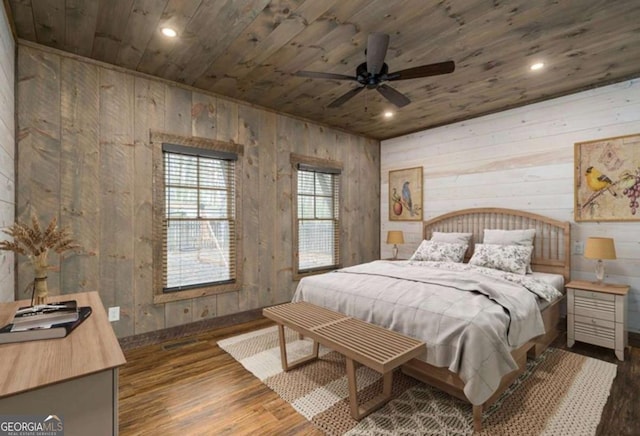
point(300, 275)
point(167, 297)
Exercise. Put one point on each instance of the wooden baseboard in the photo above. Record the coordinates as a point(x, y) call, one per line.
point(634, 339)
point(193, 328)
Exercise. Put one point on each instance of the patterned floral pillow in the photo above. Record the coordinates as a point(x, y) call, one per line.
point(510, 237)
point(510, 258)
point(439, 252)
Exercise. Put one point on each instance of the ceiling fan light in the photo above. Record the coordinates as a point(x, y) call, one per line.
point(537, 66)
point(168, 31)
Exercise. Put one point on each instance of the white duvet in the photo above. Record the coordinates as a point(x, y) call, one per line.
point(470, 321)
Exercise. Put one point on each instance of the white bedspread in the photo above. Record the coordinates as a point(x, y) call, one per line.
point(469, 321)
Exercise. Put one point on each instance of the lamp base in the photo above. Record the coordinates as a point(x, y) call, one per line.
point(599, 271)
point(395, 251)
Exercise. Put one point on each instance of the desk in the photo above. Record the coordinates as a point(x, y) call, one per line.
point(75, 377)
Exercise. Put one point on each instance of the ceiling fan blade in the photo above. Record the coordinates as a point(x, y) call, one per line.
point(423, 71)
point(345, 97)
point(393, 96)
point(330, 76)
point(377, 44)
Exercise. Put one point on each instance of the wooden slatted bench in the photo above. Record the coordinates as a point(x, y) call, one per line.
point(375, 347)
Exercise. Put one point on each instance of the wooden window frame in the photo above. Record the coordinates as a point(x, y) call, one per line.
point(158, 208)
point(334, 166)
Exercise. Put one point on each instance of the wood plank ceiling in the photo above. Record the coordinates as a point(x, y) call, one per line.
point(250, 50)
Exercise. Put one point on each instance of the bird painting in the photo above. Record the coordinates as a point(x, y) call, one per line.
point(598, 181)
point(406, 199)
point(405, 194)
point(607, 179)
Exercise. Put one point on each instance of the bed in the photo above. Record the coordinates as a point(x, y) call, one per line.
point(472, 360)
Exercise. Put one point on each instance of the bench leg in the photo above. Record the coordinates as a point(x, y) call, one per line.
point(359, 412)
point(283, 352)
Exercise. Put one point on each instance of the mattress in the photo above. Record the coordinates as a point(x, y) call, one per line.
point(555, 280)
point(470, 321)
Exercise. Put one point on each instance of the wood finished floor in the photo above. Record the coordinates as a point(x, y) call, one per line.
point(198, 389)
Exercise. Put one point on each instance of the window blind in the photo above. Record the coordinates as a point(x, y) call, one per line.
point(318, 194)
point(199, 222)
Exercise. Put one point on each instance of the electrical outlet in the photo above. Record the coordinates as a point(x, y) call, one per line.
point(578, 247)
point(114, 313)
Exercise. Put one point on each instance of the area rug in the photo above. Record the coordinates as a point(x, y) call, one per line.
point(559, 393)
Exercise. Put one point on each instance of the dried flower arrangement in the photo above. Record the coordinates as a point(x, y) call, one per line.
point(35, 244)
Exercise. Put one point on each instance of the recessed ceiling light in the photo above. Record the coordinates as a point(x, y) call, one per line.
point(168, 31)
point(536, 66)
point(388, 114)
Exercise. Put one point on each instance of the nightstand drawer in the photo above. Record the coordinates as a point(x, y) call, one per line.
point(597, 332)
point(595, 322)
point(591, 295)
point(595, 339)
point(594, 308)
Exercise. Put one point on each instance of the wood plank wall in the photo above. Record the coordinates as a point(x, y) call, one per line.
point(7, 151)
point(522, 159)
point(85, 157)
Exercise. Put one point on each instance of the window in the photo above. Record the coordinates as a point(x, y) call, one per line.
point(194, 220)
point(317, 229)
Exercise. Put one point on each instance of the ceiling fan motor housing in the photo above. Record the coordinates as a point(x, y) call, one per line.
point(369, 80)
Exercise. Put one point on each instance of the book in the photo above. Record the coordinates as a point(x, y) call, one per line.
point(59, 330)
point(44, 316)
point(46, 309)
point(45, 321)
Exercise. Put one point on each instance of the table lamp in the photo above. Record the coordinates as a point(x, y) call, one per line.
point(395, 237)
point(600, 248)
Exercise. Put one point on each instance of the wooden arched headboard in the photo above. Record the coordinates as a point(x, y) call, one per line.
point(551, 251)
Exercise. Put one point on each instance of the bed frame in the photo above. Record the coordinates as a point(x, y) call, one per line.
point(551, 254)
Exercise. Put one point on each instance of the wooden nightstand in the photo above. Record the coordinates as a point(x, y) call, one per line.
point(597, 314)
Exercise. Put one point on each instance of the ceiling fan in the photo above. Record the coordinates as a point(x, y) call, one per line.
point(374, 72)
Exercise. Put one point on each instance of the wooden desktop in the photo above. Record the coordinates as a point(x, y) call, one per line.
point(75, 377)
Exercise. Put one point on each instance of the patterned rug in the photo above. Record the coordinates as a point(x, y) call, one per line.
point(559, 393)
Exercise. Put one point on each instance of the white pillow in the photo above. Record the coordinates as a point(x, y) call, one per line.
point(433, 251)
point(510, 237)
point(452, 237)
point(510, 258)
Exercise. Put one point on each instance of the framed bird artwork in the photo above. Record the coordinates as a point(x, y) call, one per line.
point(405, 194)
point(607, 179)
